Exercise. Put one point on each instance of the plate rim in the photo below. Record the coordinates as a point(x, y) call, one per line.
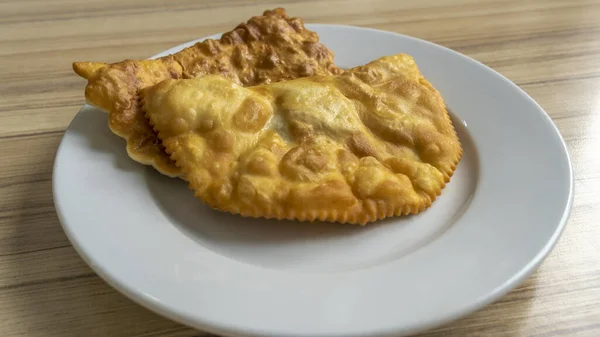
point(181, 317)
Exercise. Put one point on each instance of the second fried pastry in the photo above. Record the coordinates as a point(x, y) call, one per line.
point(267, 48)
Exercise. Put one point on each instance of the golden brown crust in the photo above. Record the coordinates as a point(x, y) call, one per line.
point(371, 143)
point(268, 48)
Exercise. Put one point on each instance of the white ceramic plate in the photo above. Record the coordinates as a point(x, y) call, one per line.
point(501, 214)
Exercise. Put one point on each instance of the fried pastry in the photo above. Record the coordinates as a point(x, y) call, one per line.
point(266, 49)
point(371, 143)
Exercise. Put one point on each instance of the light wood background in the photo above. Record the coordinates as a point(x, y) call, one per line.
point(550, 48)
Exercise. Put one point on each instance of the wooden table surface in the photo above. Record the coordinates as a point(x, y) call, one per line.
point(550, 48)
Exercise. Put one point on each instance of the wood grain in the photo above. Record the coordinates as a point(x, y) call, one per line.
point(550, 48)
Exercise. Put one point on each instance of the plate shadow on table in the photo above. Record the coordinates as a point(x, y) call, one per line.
point(503, 318)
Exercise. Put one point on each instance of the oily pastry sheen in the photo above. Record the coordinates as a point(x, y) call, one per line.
point(266, 49)
point(371, 143)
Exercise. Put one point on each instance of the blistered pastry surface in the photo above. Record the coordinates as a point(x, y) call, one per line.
point(371, 143)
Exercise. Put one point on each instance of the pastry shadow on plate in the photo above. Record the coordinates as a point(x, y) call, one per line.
point(273, 244)
point(197, 219)
point(92, 125)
